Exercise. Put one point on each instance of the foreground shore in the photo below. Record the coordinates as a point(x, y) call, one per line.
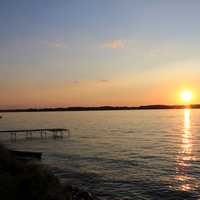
point(33, 181)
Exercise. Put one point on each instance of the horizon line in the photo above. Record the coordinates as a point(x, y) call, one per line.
point(105, 107)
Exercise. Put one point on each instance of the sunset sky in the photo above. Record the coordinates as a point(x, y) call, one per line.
point(56, 53)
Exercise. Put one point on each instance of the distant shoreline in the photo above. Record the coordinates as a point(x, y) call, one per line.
point(103, 108)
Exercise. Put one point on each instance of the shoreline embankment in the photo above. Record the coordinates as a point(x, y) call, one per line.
point(32, 180)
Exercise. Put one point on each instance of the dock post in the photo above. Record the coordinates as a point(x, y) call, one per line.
point(41, 134)
point(54, 135)
point(27, 134)
point(45, 134)
point(13, 136)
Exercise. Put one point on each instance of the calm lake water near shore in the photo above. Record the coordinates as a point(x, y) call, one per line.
point(140, 154)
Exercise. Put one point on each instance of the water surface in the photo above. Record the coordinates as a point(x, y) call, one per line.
point(144, 154)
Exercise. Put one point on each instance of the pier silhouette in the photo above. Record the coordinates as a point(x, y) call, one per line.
point(55, 133)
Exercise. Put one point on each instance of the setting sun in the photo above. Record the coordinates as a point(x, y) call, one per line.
point(186, 96)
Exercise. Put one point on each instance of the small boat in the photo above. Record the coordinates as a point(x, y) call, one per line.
point(26, 155)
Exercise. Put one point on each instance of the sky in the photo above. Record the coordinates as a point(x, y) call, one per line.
point(98, 52)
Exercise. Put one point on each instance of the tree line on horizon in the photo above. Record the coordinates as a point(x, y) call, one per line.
point(99, 108)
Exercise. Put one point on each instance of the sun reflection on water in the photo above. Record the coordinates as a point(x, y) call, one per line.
point(186, 137)
point(185, 156)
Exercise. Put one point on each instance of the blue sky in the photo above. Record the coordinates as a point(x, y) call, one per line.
point(50, 49)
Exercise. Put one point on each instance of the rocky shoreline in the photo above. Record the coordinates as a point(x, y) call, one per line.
point(33, 181)
point(79, 194)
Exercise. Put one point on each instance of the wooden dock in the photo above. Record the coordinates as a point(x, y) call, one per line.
point(54, 132)
point(26, 155)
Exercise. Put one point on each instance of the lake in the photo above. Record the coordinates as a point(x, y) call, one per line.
point(139, 154)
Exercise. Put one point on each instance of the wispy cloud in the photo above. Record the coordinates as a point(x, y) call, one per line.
point(114, 44)
point(76, 82)
point(55, 44)
point(103, 81)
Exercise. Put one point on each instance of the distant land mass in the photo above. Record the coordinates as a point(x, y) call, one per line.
point(101, 108)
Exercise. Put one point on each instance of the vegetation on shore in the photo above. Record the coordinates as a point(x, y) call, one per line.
point(101, 108)
point(33, 181)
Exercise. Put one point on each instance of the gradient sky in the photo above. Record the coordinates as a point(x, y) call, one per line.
point(98, 52)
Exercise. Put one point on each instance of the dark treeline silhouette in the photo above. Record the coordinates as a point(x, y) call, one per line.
point(100, 108)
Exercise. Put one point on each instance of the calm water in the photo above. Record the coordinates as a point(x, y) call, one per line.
point(120, 154)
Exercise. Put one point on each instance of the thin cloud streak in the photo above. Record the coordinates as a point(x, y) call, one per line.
point(103, 81)
point(88, 81)
point(114, 44)
point(55, 44)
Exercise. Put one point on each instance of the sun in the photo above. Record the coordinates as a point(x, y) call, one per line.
point(186, 96)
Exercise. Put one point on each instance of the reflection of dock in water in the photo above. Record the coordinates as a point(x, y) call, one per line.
point(43, 133)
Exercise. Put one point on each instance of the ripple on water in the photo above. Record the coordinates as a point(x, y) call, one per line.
point(121, 155)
